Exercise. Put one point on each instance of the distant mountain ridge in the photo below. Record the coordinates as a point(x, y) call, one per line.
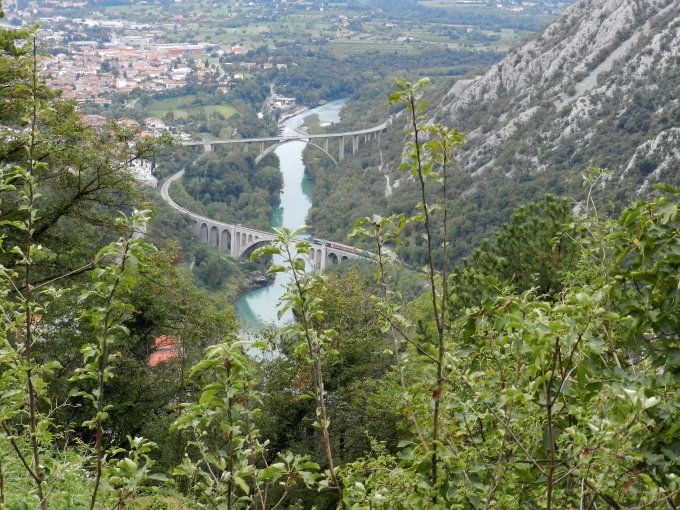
point(598, 86)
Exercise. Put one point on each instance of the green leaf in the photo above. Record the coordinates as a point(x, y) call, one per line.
point(128, 465)
point(272, 472)
point(242, 484)
point(207, 396)
point(666, 188)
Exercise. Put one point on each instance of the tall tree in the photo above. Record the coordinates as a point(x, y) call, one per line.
point(355, 367)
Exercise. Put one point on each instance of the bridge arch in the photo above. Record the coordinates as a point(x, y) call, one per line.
point(240, 241)
point(203, 235)
point(225, 240)
point(214, 237)
point(323, 150)
point(272, 148)
point(245, 254)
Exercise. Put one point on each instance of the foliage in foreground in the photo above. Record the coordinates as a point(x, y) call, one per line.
point(542, 374)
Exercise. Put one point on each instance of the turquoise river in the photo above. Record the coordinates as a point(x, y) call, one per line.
point(259, 306)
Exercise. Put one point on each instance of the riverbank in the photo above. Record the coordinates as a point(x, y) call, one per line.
point(296, 110)
point(254, 282)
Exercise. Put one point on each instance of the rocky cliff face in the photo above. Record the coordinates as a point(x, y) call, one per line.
point(599, 86)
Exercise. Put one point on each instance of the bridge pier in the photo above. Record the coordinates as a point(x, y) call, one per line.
point(355, 144)
point(341, 150)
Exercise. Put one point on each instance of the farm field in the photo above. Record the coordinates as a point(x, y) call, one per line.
point(259, 26)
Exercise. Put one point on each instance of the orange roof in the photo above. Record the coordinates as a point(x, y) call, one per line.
point(93, 120)
point(128, 122)
point(165, 348)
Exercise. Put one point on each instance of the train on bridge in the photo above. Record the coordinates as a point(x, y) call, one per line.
point(343, 247)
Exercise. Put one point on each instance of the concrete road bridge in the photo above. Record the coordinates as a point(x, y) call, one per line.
point(267, 145)
point(240, 241)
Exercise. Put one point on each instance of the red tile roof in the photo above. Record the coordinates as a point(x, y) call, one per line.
point(165, 348)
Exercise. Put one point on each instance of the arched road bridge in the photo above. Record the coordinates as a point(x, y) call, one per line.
point(240, 241)
point(269, 144)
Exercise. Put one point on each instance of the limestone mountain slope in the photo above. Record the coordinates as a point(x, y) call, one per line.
point(598, 86)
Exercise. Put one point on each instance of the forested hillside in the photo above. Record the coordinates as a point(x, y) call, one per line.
point(83, 298)
point(543, 373)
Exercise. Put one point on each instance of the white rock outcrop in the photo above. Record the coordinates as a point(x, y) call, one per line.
point(591, 71)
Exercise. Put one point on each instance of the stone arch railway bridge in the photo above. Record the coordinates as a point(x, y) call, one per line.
point(268, 144)
point(240, 241)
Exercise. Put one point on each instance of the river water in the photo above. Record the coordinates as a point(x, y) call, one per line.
point(260, 306)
